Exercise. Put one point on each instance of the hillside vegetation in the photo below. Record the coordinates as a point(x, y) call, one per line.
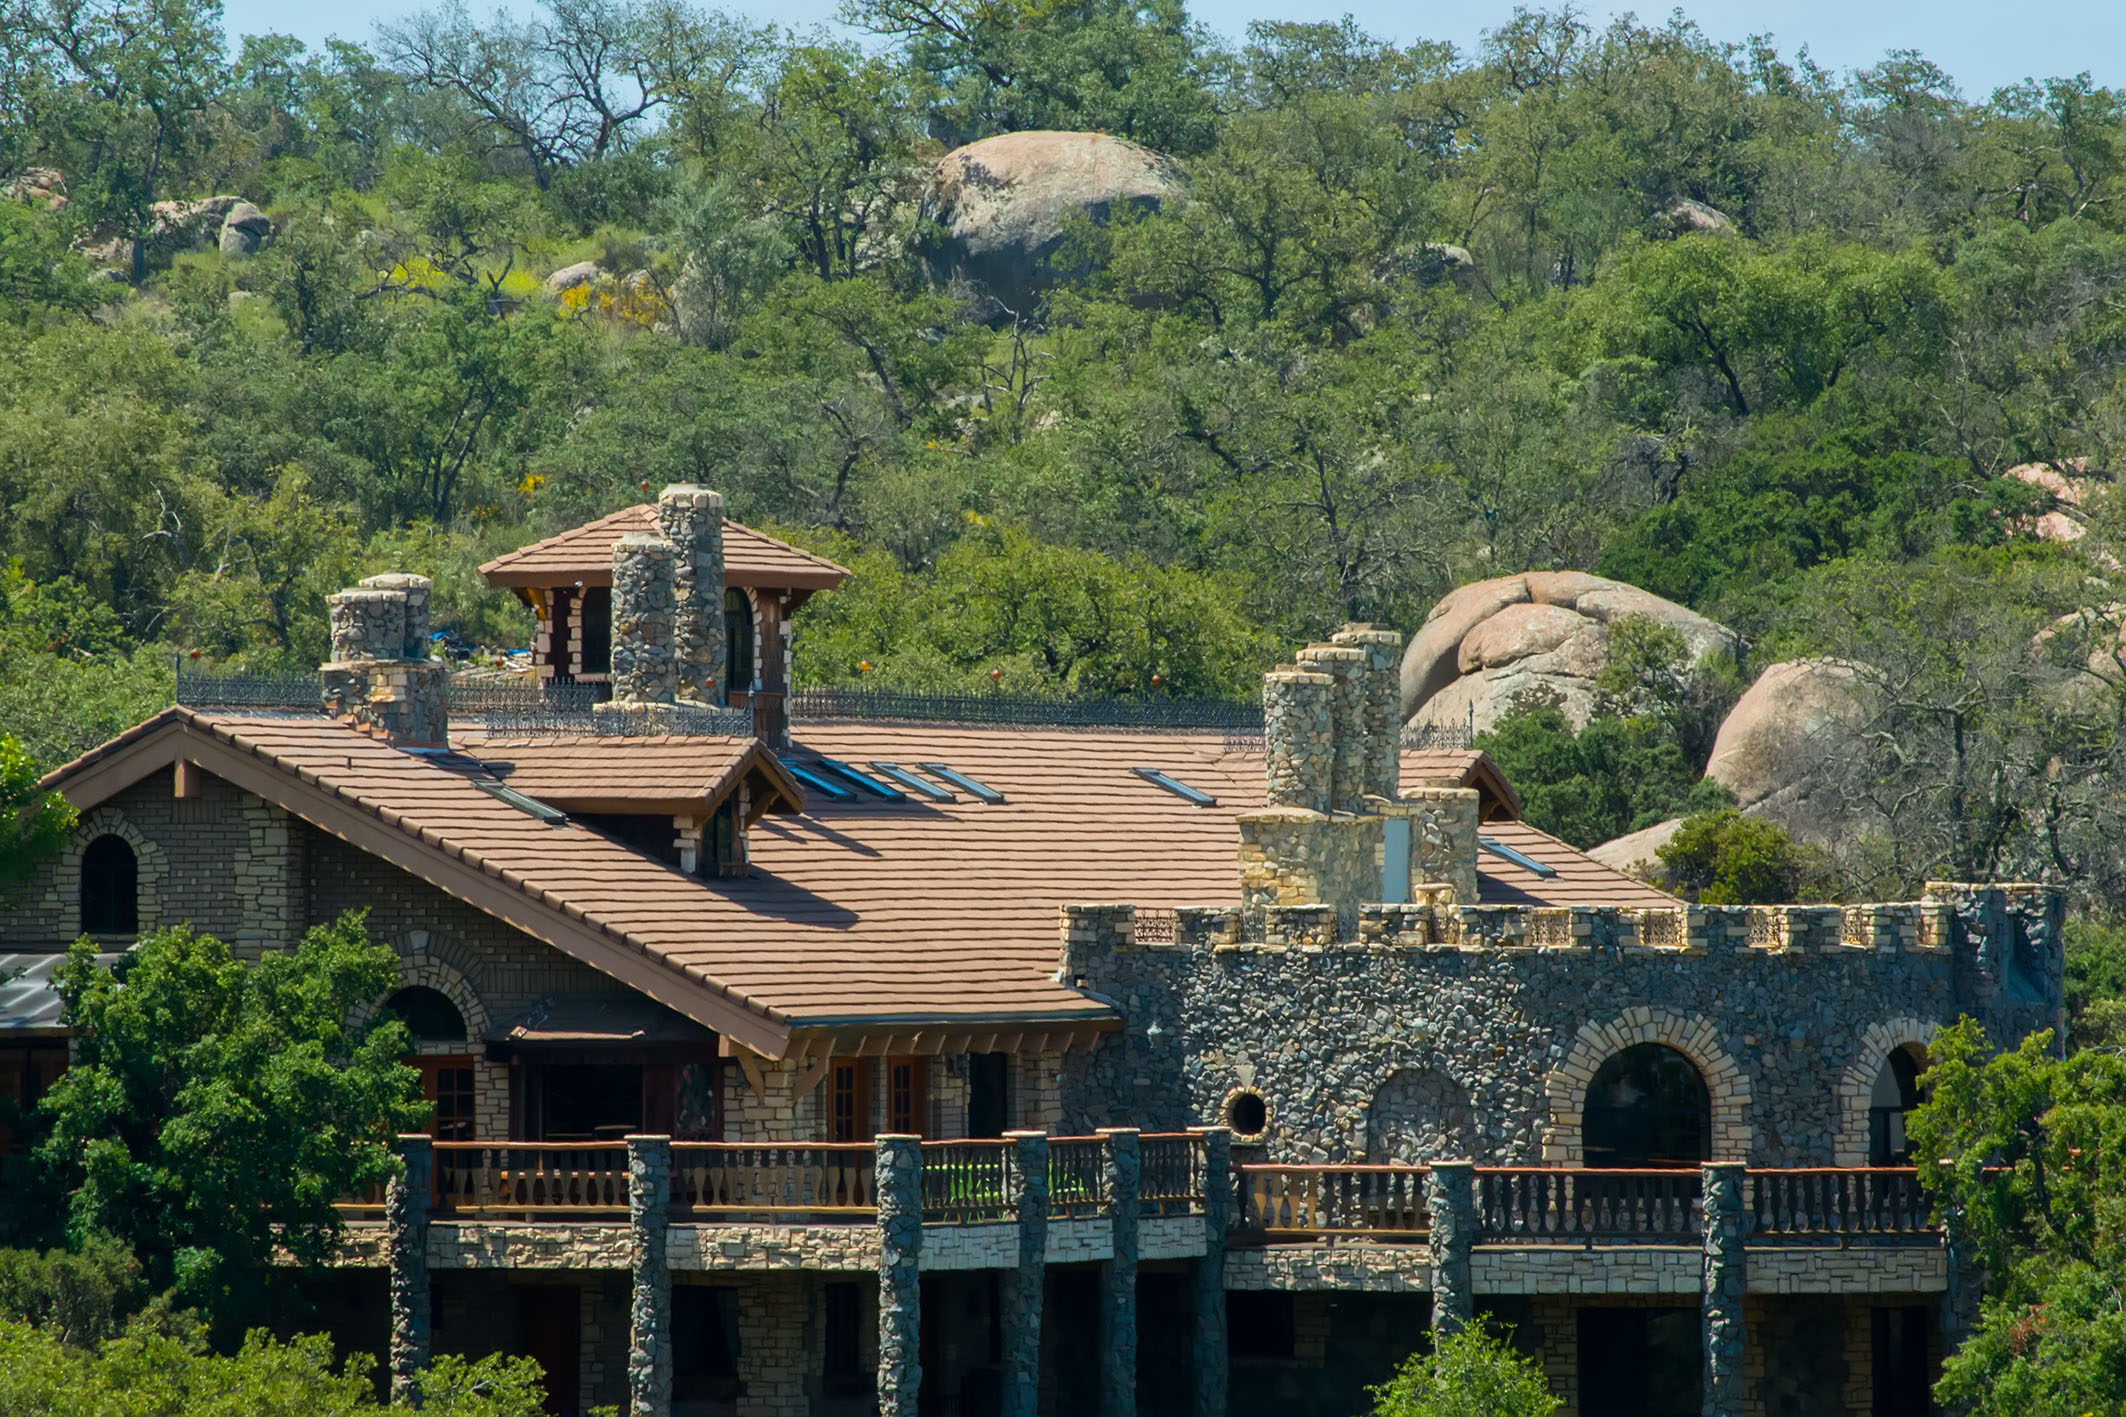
point(1760, 338)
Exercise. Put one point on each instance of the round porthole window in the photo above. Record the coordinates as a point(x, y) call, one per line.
point(1247, 1112)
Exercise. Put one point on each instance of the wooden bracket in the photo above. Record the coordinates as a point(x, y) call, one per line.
point(749, 1064)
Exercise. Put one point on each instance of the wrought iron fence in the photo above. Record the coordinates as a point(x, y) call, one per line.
point(1234, 717)
point(198, 688)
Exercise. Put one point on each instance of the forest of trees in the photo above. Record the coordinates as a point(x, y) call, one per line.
point(1425, 316)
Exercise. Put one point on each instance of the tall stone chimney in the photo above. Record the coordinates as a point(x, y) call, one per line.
point(1346, 665)
point(643, 619)
point(691, 519)
point(1299, 737)
point(380, 678)
point(1380, 697)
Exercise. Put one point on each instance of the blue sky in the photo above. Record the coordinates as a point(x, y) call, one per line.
point(1985, 45)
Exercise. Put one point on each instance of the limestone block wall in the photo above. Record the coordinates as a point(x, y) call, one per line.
point(1499, 1020)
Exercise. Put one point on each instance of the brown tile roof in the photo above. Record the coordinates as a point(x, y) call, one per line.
point(656, 776)
point(859, 914)
point(585, 553)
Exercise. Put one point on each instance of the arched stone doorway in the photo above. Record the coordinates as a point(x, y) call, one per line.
point(1648, 1106)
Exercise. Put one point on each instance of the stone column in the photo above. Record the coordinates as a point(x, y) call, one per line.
point(691, 518)
point(1210, 1336)
point(643, 668)
point(1726, 1282)
point(1450, 1196)
point(406, 1251)
point(1299, 738)
point(1346, 665)
point(1118, 1278)
point(900, 1288)
point(1382, 693)
point(1024, 1287)
point(649, 1200)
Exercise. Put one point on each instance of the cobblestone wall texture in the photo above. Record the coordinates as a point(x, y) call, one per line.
point(1782, 996)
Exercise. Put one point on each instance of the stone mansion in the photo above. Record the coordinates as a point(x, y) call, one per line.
point(836, 1053)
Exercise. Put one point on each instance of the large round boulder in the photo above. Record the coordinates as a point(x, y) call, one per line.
point(244, 230)
point(1542, 634)
point(1780, 746)
point(995, 213)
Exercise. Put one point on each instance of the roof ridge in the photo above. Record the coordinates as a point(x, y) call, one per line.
point(647, 511)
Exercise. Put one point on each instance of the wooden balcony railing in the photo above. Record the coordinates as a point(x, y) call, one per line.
point(1077, 1177)
point(734, 1181)
point(548, 1180)
point(1386, 1201)
point(1816, 1206)
point(968, 1182)
point(1170, 1173)
point(1520, 1205)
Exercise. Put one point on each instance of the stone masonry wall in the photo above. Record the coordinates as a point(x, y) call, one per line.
point(1499, 1017)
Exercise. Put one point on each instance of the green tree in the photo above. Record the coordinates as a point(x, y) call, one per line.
point(1470, 1374)
point(33, 824)
point(2033, 1175)
point(1721, 857)
point(216, 1109)
point(1614, 776)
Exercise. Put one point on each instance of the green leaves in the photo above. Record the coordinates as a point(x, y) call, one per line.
point(1471, 1374)
point(33, 824)
point(218, 1108)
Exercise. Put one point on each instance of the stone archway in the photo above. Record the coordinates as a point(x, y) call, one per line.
point(1694, 1037)
point(1857, 1084)
point(148, 867)
point(1420, 1115)
point(421, 963)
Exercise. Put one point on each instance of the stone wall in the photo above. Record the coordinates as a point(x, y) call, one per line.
point(1509, 1009)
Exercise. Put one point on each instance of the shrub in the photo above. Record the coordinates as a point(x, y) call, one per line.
point(1471, 1374)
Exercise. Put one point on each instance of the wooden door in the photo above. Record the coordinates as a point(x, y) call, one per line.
point(549, 1331)
point(447, 1083)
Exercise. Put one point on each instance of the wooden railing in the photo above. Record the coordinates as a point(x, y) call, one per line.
point(967, 1182)
point(733, 1180)
point(1388, 1201)
point(1523, 1204)
point(1170, 1173)
point(530, 1179)
point(1814, 1206)
point(1077, 1177)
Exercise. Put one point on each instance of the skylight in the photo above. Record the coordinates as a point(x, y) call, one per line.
point(864, 780)
point(832, 790)
point(1176, 786)
point(529, 806)
point(1519, 858)
point(962, 781)
point(910, 781)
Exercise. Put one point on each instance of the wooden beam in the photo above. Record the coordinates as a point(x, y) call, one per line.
point(749, 1064)
point(814, 1075)
point(190, 779)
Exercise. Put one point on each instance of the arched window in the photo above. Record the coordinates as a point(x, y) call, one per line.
point(429, 1014)
point(110, 887)
point(738, 639)
point(1647, 1106)
point(1896, 1092)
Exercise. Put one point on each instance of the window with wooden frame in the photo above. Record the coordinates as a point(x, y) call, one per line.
point(849, 1100)
point(907, 1111)
point(447, 1083)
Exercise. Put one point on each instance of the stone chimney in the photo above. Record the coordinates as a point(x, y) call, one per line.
point(644, 629)
point(691, 519)
point(1350, 742)
point(1380, 698)
point(380, 678)
point(1299, 737)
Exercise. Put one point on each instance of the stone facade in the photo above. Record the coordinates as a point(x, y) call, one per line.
point(380, 678)
point(1774, 1005)
point(644, 670)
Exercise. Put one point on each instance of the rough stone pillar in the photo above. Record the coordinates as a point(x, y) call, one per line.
point(1023, 1288)
point(406, 1252)
point(900, 1290)
point(691, 518)
point(649, 1200)
point(1299, 738)
point(1381, 693)
point(1346, 664)
point(416, 589)
point(1210, 1337)
point(643, 568)
point(1726, 1282)
point(1118, 1279)
point(1450, 1195)
point(367, 623)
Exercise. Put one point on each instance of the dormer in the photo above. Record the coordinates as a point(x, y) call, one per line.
point(567, 580)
